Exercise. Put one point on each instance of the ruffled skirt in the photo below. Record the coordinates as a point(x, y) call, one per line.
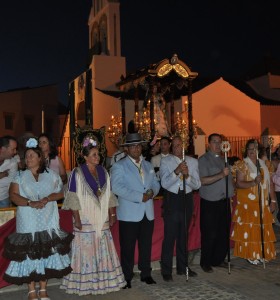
point(95, 264)
point(247, 229)
point(37, 257)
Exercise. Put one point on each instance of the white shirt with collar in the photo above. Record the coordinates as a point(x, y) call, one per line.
point(155, 161)
point(10, 164)
point(172, 182)
point(138, 165)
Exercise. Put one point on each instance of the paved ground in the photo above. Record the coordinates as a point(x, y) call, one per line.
point(245, 282)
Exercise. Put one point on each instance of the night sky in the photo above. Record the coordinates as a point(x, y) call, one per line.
point(46, 41)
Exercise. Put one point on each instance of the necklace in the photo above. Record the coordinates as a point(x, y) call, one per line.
point(47, 160)
point(96, 178)
point(36, 176)
point(138, 168)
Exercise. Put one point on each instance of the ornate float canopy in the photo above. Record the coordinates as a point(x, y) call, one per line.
point(156, 84)
point(170, 76)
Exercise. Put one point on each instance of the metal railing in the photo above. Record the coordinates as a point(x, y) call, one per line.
point(237, 144)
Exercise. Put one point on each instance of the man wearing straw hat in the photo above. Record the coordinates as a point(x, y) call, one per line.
point(135, 183)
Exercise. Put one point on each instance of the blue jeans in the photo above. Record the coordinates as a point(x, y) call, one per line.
point(5, 203)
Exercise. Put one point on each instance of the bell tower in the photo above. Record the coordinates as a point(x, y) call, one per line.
point(104, 28)
point(93, 105)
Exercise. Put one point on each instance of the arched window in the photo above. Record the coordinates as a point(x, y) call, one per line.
point(95, 39)
point(103, 34)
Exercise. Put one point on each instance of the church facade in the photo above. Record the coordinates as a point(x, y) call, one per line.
point(221, 106)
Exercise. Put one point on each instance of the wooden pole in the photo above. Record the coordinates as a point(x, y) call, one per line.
point(191, 150)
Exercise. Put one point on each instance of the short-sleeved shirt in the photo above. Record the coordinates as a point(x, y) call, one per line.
point(30, 219)
point(210, 164)
point(11, 165)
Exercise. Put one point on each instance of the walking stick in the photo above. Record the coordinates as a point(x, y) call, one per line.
point(225, 147)
point(260, 202)
point(185, 206)
point(270, 144)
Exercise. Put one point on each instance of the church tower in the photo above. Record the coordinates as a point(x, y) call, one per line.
point(105, 67)
point(104, 28)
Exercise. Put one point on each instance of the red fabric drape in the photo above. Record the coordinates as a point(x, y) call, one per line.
point(5, 230)
point(194, 231)
point(66, 224)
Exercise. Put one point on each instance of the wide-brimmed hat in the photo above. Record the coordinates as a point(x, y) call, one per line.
point(133, 139)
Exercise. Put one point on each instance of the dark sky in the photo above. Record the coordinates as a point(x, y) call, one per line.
point(46, 41)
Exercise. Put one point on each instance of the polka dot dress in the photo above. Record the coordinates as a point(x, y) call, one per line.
point(247, 229)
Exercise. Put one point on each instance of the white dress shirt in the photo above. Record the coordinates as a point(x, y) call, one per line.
point(172, 182)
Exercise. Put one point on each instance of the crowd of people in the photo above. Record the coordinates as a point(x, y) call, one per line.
point(33, 178)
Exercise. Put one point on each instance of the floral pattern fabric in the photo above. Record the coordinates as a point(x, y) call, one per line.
point(94, 260)
point(95, 264)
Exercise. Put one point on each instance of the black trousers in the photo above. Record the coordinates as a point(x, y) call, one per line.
point(176, 216)
point(130, 232)
point(214, 229)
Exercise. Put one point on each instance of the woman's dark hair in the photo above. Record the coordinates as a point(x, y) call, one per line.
point(147, 152)
point(263, 151)
point(232, 160)
point(42, 165)
point(276, 152)
point(251, 141)
point(86, 149)
point(53, 149)
point(274, 156)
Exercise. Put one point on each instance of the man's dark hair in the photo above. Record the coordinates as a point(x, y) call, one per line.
point(212, 135)
point(5, 140)
point(166, 138)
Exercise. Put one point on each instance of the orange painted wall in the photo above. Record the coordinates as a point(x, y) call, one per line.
point(222, 108)
point(270, 115)
point(104, 107)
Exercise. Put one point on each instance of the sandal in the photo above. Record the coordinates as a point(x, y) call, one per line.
point(30, 292)
point(253, 262)
point(43, 298)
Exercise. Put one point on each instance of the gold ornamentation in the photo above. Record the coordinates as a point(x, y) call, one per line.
point(270, 144)
point(114, 131)
point(225, 147)
point(181, 71)
point(167, 68)
point(164, 70)
point(143, 123)
point(96, 134)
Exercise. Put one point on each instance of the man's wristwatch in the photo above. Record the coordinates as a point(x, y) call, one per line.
point(149, 192)
point(28, 202)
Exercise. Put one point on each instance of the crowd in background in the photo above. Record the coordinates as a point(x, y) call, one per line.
point(138, 172)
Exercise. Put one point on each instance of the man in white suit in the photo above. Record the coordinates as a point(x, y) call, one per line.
point(135, 184)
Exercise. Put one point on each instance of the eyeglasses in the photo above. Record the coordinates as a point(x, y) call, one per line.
point(135, 146)
point(216, 142)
